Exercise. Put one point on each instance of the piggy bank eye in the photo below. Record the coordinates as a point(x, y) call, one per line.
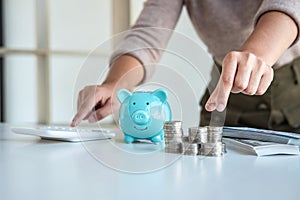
point(133, 103)
point(147, 103)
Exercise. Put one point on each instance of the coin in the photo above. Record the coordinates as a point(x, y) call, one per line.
point(173, 134)
point(212, 149)
point(197, 135)
point(206, 141)
point(190, 148)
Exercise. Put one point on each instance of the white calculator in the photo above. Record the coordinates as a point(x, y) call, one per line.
point(65, 133)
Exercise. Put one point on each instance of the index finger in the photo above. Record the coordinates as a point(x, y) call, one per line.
point(84, 110)
point(225, 83)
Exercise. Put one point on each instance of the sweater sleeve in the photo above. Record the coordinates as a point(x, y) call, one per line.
point(289, 7)
point(150, 34)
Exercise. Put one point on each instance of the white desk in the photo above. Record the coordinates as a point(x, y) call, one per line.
point(36, 169)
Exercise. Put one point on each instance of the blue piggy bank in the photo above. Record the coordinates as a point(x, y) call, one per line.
point(143, 114)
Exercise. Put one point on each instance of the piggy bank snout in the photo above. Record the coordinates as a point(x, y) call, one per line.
point(140, 117)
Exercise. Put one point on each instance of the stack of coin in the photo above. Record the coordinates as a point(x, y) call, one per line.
point(190, 148)
point(213, 149)
point(173, 137)
point(198, 135)
point(213, 146)
point(192, 142)
point(214, 134)
point(205, 141)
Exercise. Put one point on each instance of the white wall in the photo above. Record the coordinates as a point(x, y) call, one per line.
point(19, 24)
point(81, 25)
point(20, 88)
point(20, 70)
point(75, 28)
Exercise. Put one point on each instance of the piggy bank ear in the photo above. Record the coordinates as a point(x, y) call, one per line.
point(161, 94)
point(123, 94)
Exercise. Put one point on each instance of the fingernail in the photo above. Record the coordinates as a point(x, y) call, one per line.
point(210, 105)
point(73, 123)
point(220, 107)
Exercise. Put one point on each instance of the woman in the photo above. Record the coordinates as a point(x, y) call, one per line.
point(249, 40)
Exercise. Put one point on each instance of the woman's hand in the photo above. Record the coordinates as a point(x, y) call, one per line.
point(98, 101)
point(242, 72)
point(95, 103)
point(248, 71)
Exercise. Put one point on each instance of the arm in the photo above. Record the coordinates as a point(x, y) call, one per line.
point(249, 70)
point(127, 71)
point(140, 48)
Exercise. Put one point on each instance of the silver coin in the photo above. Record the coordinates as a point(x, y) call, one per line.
point(197, 130)
point(197, 134)
point(172, 132)
point(173, 144)
point(201, 139)
point(190, 153)
point(217, 145)
point(212, 149)
point(173, 124)
point(214, 138)
point(168, 136)
point(208, 147)
point(173, 151)
point(215, 128)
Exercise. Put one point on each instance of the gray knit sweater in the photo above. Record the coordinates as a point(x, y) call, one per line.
point(223, 25)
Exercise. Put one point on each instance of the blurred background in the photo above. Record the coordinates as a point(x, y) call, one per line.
point(44, 44)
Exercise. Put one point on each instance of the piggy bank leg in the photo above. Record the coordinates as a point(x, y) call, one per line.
point(128, 139)
point(157, 138)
